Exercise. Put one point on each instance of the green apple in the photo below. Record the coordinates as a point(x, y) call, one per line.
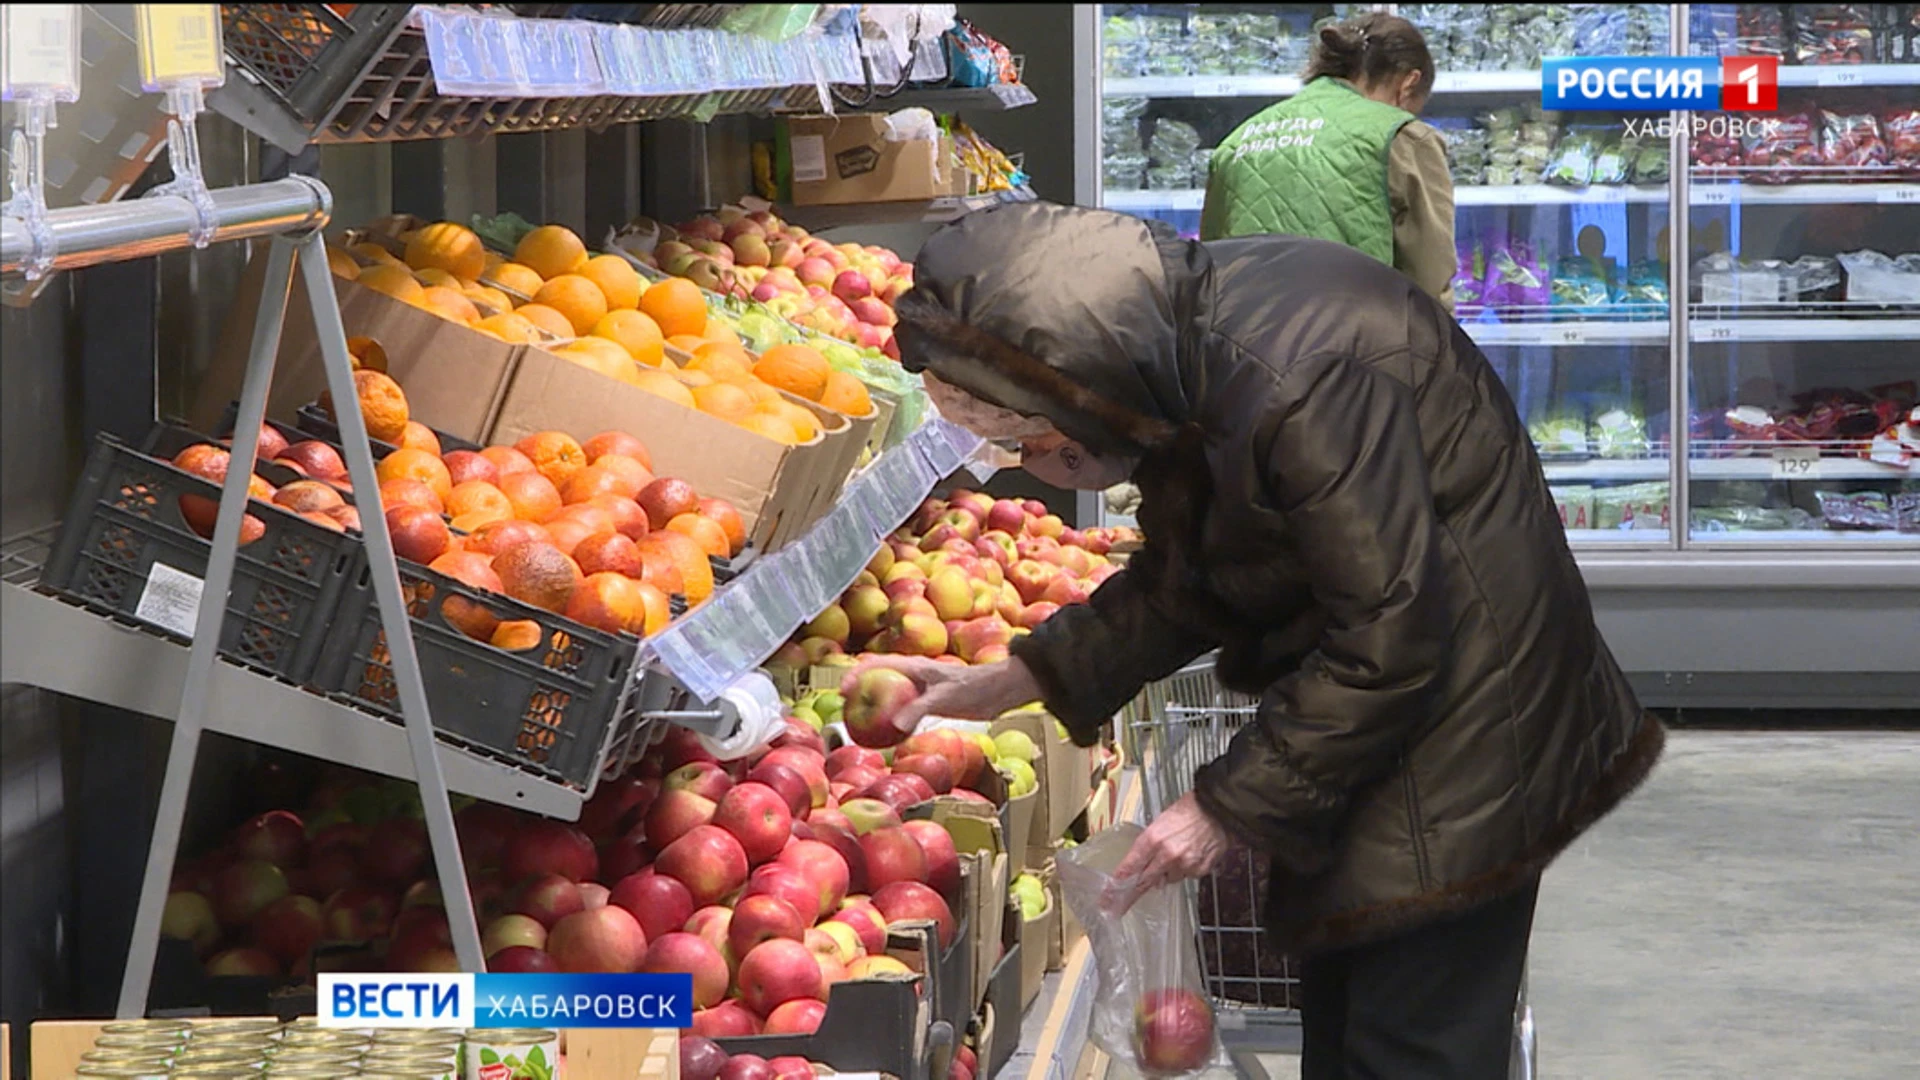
point(813, 719)
point(1016, 746)
point(988, 747)
point(1020, 778)
point(830, 705)
point(1030, 895)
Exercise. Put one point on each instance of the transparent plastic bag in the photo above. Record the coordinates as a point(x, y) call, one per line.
point(1150, 1008)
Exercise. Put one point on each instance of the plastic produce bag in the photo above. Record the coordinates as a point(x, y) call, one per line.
point(1150, 1008)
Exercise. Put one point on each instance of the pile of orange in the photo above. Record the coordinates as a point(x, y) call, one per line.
point(601, 314)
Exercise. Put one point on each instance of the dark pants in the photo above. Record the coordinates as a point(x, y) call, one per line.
point(1434, 1003)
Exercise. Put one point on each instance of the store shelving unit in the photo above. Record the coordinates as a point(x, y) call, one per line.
point(908, 212)
point(1663, 595)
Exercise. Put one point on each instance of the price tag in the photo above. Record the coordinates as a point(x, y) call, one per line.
point(1567, 335)
point(1188, 200)
point(1839, 76)
point(1796, 463)
point(1715, 332)
point(1714, 195)
point(40, 50)
point(1216, 88)
point(179, 45)
point(1900, 193)
point(171, 599)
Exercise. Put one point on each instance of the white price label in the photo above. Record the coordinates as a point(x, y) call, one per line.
point(1839, 76)
point(1188, 200)
point(1713, 195)
point(1216, 88)
point(1567, 335)
point(171, 599)
point(40, 49)
point(1900, 193)
point(1794, 463)
point(1604, 193)
point(1715, 332)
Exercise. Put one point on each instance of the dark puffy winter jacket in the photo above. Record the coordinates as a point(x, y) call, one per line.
point(1339, 496)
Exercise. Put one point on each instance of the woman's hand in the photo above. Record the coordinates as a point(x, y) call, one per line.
point(1183, 842)
point(952, 690)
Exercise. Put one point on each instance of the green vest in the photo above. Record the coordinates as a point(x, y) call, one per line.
point(1312, 165)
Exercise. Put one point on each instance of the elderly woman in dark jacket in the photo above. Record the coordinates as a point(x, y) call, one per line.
point(1338, 496)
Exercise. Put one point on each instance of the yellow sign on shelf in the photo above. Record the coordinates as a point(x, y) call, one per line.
point(179, 44)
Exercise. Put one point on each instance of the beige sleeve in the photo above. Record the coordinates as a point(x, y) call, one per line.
point(1420, 192)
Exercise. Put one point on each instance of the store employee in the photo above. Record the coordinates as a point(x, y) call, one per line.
point(1345, 160)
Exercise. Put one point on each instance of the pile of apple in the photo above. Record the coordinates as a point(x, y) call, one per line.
point(703, 1059)
point(959, 581)
point(842, 290)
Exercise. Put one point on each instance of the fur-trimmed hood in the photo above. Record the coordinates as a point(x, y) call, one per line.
point(1077, 316)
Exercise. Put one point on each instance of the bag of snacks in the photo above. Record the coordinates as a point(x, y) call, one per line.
point(1833, 33)
point(1514, 277)
point(1900, 125)
point(1851, 141)
point(1784, 149)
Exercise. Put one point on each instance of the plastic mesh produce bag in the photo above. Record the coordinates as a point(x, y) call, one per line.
point(1150, 1008)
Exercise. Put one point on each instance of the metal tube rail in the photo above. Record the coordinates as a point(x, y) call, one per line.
point(137, 228)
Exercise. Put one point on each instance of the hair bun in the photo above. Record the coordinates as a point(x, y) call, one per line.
point(1342, 38)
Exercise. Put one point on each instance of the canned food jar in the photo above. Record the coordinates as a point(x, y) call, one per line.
point(124, 1057)
point(412, 1063)
point(122, 1070)
point(404, 1073)
point(311, 1072)
point(139, 1027)
point(301, 1057)
point(509, 1054)
point(417, 1037)
point(219, 1072)
point(220, 1055)
point(322, 1037)
point(149, 1041)
point(448, 1054)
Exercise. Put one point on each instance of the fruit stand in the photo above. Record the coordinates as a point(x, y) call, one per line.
point(556, 548)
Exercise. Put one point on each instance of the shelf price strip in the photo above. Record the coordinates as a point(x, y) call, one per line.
point(744, 623)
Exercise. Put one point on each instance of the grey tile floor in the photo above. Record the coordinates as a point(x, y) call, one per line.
point(1753, 912)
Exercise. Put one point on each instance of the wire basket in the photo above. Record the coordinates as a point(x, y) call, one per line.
point(1178, 725)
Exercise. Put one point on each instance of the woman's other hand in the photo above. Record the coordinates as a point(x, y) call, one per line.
point(1183, 842)
point(953, 690)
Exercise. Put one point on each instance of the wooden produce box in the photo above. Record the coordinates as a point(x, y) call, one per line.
point(833, 160)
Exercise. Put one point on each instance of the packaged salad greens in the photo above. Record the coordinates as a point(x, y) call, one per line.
point(1619, 434)
point(1582, 282)
point(1561, 436)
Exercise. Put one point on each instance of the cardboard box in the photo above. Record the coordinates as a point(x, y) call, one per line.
point(1003, 1013)
point(455, 377)
point(832, 160)
point(979, 838)
point(775, 487)
point(1037, 936)
point(1062, 771)
point(1068, 931)
point(1019, 815)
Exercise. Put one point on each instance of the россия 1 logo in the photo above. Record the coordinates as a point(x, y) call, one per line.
point(1660, 83)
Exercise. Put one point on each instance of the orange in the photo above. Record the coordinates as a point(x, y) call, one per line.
point(846, 395)
point(532, 496)
point(512, 275)
point(722, 513)
point(596, 480)
point(657, 612)
point(477, 497)
point(474, 520)
point(617, 278)
point(476, 571)
point(760, 392)
point(437, 277)
point(407, 491)
point(805, 424)
point(724, 400)
point(448, 246)
point(494, 259)
point(723, 362)
point(600, 355)
point(687, 343)
point(507, 461)
point(449, 304)
point(634, 332)
point(539, 574)
point(661, 384)
point(376, 254)
point(411, 463)
point(550, 250)
point(720, 332)
point(636, 473)
point(797, 369)
point(696, 573)
point(420, 437)
point(692, 379)
point(517, 635)
point(617, 442)
point(367, 353)
point(382, 405)
point(704, 531)
point(677, 305)
point(546, 319)
point(554, 453)
point(770, 426)
point(342, 263)
point(489, 300)
point(510, 326)
point(609, 601)
point(396, 281)
point(575, 297)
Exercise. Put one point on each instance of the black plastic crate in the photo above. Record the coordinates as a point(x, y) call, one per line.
point(546, 710)
point(314, 423)
point(125, 520)
point(307, 56)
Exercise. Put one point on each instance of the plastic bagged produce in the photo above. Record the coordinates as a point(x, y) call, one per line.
point(1620, 435)
point(1650, 160)
point(1900, 124)
point(1514, 277)
point(1875, 278)
point(1580, 282)
point(1632, 506)
point(1575, 505)
point(1896, 33)
point(1561, 436)
point(1856, 510)
point(1613, 163)
point(1646, 285)
point(1851, 141)
point(1571, 164)
point(1762, 30)
point(1150, 1008)
point(1832, 33)
point(1719, 519)
point(1469, 280)
point(1784, 149)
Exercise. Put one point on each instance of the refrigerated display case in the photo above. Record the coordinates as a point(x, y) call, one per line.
point(1765, 548)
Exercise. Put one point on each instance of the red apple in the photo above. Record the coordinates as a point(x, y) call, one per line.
point(867, 814)
point(930, 767)
point(674, 814)
point(757, 816)
point(550, 847)
point(244, 963)
point(878, 694)
point(898, 790)
point(277, 837)
point(762, 917)
point(893, 856)
point(509, 930)
point(910, 900)
point(788, 883)
point(801, 734)
point(1172, 1031)
point(808, 763)
point(523, 960)
point(484, 829)
point(605, 940)
point(395, 852)
point(289, 928)
point(616, 806)
point(659, 903)
point(800, 1016)
point(943, 860)
point(854, 778)
point(845, 844)
point(746, 1066)
point(593, 894)
point(776, 972)
point(792, 786)
point(708, 861)
point(681, 951)
point(846, 757)
point(359, 913)
point(700, 1058)
point(866, 921)
point(546, 899)
point(624, 857)
point(824, 868)
point(703, 778)
point(244, 889)
point(727, 1020)
point(1007, 516)
point(1030, 578)
point(682, 747)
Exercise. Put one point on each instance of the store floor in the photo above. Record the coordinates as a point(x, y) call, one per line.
point(1750, 913)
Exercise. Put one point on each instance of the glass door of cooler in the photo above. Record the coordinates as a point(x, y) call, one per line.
point(1803, 358)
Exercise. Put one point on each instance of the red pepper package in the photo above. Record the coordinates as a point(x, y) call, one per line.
point(1784, 149)
point(1717, 155)
point(1851, 141)
point(1901, 127)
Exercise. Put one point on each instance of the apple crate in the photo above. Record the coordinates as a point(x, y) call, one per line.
point(1003, 998)
point(127, 551)
point(547, 709)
